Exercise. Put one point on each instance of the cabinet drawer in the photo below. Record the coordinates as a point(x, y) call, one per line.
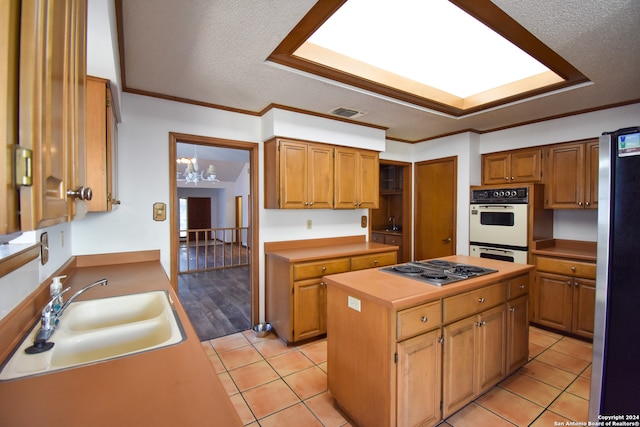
point(416, 320)
point(361, 262)
point(468, 303)
point(309, 270)
point(519, 286)
point(395, 240)
point(567, 267)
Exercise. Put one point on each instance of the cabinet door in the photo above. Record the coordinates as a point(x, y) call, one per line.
point(517, 333)
point(584, 300)
point(346, 172)
point(526, 166)
point(44, 77)
point(418, 376)
point(564, 187)
point(496, 168)
point(592, 165)
point(320, 186)
point(9, 46)
point(554, 294)
point(491, 333)
point(368, 179)
point(309, 309)
point(357, 175)
point(458, 365)
point(99, 144)
point(293, 173)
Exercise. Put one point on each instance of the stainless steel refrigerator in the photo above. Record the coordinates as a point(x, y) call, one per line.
point(616, 342)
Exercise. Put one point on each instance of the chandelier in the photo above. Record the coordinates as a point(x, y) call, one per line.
point(192, 172)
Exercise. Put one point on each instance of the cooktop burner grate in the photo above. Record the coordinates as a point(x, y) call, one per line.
point(437, 272)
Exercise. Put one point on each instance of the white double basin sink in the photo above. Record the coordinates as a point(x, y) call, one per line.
point(101, 329)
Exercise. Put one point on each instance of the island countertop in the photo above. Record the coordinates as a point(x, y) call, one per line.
point(170, 386)
point(397, 292)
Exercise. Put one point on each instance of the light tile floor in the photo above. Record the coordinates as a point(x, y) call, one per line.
point(271, 384)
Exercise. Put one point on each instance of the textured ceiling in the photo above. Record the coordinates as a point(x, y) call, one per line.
point(215, 52)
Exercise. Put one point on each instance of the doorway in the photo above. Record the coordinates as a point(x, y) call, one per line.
point(223, 287)
point(435, 208)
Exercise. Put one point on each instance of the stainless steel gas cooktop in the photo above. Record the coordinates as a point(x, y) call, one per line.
point(437, 272)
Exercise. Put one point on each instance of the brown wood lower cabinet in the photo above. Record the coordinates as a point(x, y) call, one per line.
point(474, 357)
point(296, 292)
point(565, 295)
point(440, 354)
point(418, 373)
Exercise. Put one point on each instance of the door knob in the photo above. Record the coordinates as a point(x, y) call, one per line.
point(447, 240)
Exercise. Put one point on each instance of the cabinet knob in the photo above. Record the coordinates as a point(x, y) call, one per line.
point(375, 261)
point(424, 319)
point(573, 269)
point(82, 193)
point(512, 309)
point(481, 300)
point(481, 323)
point(521, 286)
point(310, 203)
point(512, 178)
point(587, 203)
point(579, 203)
point(569, 283)
point(506, 178)
point(324, 268)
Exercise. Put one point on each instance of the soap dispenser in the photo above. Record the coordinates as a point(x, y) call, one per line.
point(56, 289)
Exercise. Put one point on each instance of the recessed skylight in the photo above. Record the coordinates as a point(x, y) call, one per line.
point(457, 57)
point(431, 42)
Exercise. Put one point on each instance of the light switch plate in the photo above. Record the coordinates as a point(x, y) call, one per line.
point(363, 221)
point(44, 248)
point(159, 211)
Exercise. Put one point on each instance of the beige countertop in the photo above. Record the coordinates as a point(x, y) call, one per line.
point(398, 292)
point(572, 249)
point(171, 386)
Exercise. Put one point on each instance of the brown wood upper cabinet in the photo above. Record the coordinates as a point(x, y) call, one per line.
point(51, 110)
point(101, 145)
point(309, 175)
point(298, 175)
point(514, 166)
point(571, 177)
point(357, 178)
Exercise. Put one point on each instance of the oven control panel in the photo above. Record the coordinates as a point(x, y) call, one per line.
point(500, 195)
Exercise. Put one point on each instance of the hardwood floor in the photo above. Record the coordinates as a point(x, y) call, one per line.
point(218, 302)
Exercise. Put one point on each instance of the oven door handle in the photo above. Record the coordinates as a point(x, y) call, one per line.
point(495, 251)
point(496, 207)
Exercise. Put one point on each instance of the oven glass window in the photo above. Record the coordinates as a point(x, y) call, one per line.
point(504, 219)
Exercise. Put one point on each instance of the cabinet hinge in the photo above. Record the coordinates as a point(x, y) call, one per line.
point(395, 358)
point(108, 102)
point(24, 167)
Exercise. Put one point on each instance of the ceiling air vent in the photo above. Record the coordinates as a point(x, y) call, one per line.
point(347, 113)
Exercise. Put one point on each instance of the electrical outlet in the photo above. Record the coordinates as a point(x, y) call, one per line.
point(353, 303)
point(309, 224)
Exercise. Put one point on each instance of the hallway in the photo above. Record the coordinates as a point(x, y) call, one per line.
point(218, 302)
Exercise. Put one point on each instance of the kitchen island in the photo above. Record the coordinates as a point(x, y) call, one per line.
point(404, 352)
point(170, 386)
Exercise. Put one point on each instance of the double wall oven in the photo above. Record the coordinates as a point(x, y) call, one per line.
point(498, 223)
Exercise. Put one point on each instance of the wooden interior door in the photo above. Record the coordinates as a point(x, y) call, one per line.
point(198, 216)
point(435, 208)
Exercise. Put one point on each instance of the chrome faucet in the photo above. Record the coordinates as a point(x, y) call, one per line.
point(51, 315)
